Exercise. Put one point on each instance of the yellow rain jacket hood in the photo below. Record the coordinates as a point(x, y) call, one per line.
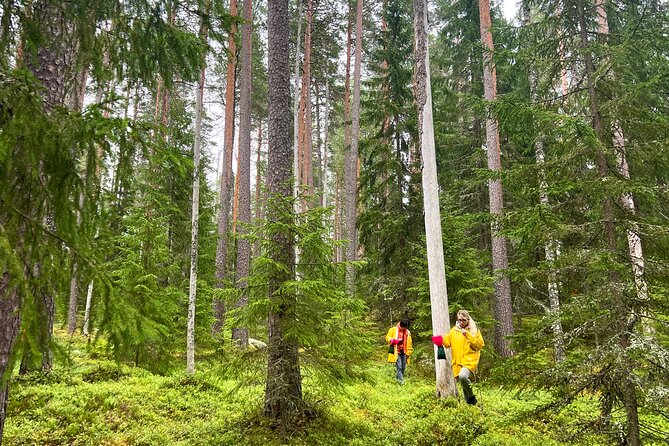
point(465, 349)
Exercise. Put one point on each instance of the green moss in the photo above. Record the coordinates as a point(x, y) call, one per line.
point(95, 402)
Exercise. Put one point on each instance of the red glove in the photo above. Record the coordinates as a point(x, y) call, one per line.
point(438, 340)
point(394, 342)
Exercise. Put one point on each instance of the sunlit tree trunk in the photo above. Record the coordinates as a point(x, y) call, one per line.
point(502, 309)
point(195, 215)
point(435, 249)
point(283, 388)
point(241, 334)
point(226, 175)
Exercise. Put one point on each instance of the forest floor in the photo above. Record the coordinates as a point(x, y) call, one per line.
point(89, 401)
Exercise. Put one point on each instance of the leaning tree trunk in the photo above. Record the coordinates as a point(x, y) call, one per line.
point(502, 309)
point(195, 215)
point(351, 173)
point(283, 387)
point(241, 334)
point(435, 248)
point(226, 175)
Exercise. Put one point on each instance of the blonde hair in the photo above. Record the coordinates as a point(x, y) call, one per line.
point(471, 326)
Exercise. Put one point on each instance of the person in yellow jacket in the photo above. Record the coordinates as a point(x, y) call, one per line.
point(401, 348)
point(466, 342)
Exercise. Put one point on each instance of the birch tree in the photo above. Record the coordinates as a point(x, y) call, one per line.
point(195, 216)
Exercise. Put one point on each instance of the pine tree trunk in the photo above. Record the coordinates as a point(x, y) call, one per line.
point(304, 124)
point(283, 389)
point(435, 248)
point(10, 322)
point(226, 176)
point(351, 174)
point(502, 309)
point(195, 216)
point(241, 334)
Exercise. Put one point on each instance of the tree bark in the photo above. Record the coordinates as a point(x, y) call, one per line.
point(502, 309)
point(10, 323)
point(195, 215)
point(283, 389)
point(435, 248)
point(352, 159)
point(241, 334)
point(226, 176)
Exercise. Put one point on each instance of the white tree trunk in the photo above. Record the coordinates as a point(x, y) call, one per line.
point(195, 216)
point(435, 248)
point(87, 313)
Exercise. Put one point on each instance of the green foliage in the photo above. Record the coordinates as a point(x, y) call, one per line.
point(326, 324)
point(128, 405)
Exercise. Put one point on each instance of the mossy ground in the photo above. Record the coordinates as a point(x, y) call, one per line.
point(98, 402)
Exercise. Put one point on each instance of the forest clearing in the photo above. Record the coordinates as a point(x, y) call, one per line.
point(213, 211)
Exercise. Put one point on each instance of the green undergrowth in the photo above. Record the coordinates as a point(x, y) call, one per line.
point(93, 401)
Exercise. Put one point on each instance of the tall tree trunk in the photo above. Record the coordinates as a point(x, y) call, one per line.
point(624, 360)
point(351, 173)
point(435, 248)
point(226, 175)
point(633, 239)
point(241, 334)
point(341, 179)
point(259, 202)
point(551, 246)
point(502, 308)
point(304, 125)
point(283, 389)
point(195, 216)
point(296, 107)
point(326, 123)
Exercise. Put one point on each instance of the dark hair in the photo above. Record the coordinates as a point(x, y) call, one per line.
point(404, 323)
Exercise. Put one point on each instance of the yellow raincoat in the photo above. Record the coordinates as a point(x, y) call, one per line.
point(465, 349)
point(392, 334)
